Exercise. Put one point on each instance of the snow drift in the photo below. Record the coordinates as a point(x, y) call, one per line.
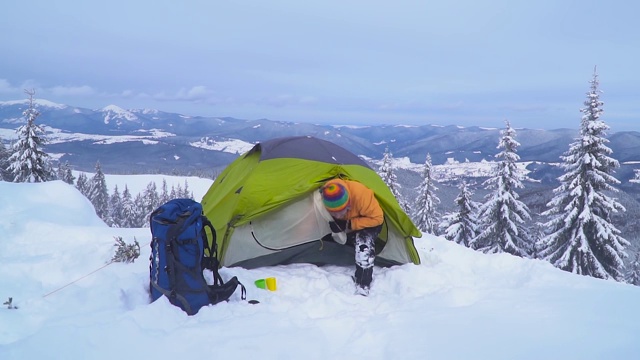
point(459, 304)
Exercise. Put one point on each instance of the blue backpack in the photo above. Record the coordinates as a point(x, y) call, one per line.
point(178, 258)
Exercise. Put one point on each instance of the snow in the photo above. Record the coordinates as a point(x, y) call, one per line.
point(458, 304)
point(147, 111)
point(233, 146)
point(56, 136)
point(116, 112)
point(351, 126)
point(37, 102)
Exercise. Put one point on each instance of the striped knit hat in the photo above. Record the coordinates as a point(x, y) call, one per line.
point(335, 197)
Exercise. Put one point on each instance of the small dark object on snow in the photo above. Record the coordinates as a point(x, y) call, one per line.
point(9, 304)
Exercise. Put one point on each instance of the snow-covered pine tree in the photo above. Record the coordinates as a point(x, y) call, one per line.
point(174, 193)
point(98, 193)
point(425, 213)
point(129, 219)
point(633, 275)
point(581, 238)
point(65, 174)
point(186, 193)
point(28, 162)
point(140, 212)
point(164, 193)
point(150, 198)
point(68, 176)
point(462, 226)
point(126, 253)
point(5, 174)
point(82, 184)
point(116, 211)
point(537, 232)
point(60, 172)
point(389, 177)
point(502, 216)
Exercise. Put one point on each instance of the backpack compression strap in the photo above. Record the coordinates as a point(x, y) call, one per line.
point(172, 237)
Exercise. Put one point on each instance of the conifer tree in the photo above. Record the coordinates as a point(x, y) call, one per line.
point(140, 212)
point(186, 194)
point(462, 226)
point(28, 162)
point(502, 217)
point(389, 177)
point(425, 213)
point(183, 193)
point(126, 253)
point(5, 174)
point(60, 171)
point(65, 174)
point(82, 184)
point(633, 275)
point(581, 237)
point(116, 211)
point(164, 194)
point(129, 215)
point(151, 198)
point(98, 193)
point(538, 231)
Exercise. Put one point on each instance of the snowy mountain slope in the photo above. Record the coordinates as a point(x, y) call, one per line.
point(160, 142)
point(442, 142)
point(458, 304)
point(153, 140)
point(118, 115)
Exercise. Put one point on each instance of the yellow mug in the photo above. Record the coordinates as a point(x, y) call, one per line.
point(268, 283)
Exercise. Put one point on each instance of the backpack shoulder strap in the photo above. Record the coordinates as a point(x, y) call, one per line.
point(213, 248)
point(219, 291)
point(210, 260)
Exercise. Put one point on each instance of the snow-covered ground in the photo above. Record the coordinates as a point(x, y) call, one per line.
point(458, 304)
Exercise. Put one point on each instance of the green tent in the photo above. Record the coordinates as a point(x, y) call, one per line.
point(266, 209)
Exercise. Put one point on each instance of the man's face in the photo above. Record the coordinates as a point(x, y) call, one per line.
point(340, 214)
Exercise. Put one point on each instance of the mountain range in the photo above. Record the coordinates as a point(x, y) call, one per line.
point(149, 140)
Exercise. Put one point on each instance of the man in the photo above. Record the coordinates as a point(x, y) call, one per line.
point(355, 211)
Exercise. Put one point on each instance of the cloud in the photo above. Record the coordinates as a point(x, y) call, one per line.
point(30, 85)
point(195, 94)
point(203, 95)
point(289, 100)
point(84, 90)
point(527, 108)
point(5, 87)
point(415, 106)
point(72, 90)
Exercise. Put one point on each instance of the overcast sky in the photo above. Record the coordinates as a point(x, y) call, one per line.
point(454, 62)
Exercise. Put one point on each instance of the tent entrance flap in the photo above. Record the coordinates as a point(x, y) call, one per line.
point(297, 223)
